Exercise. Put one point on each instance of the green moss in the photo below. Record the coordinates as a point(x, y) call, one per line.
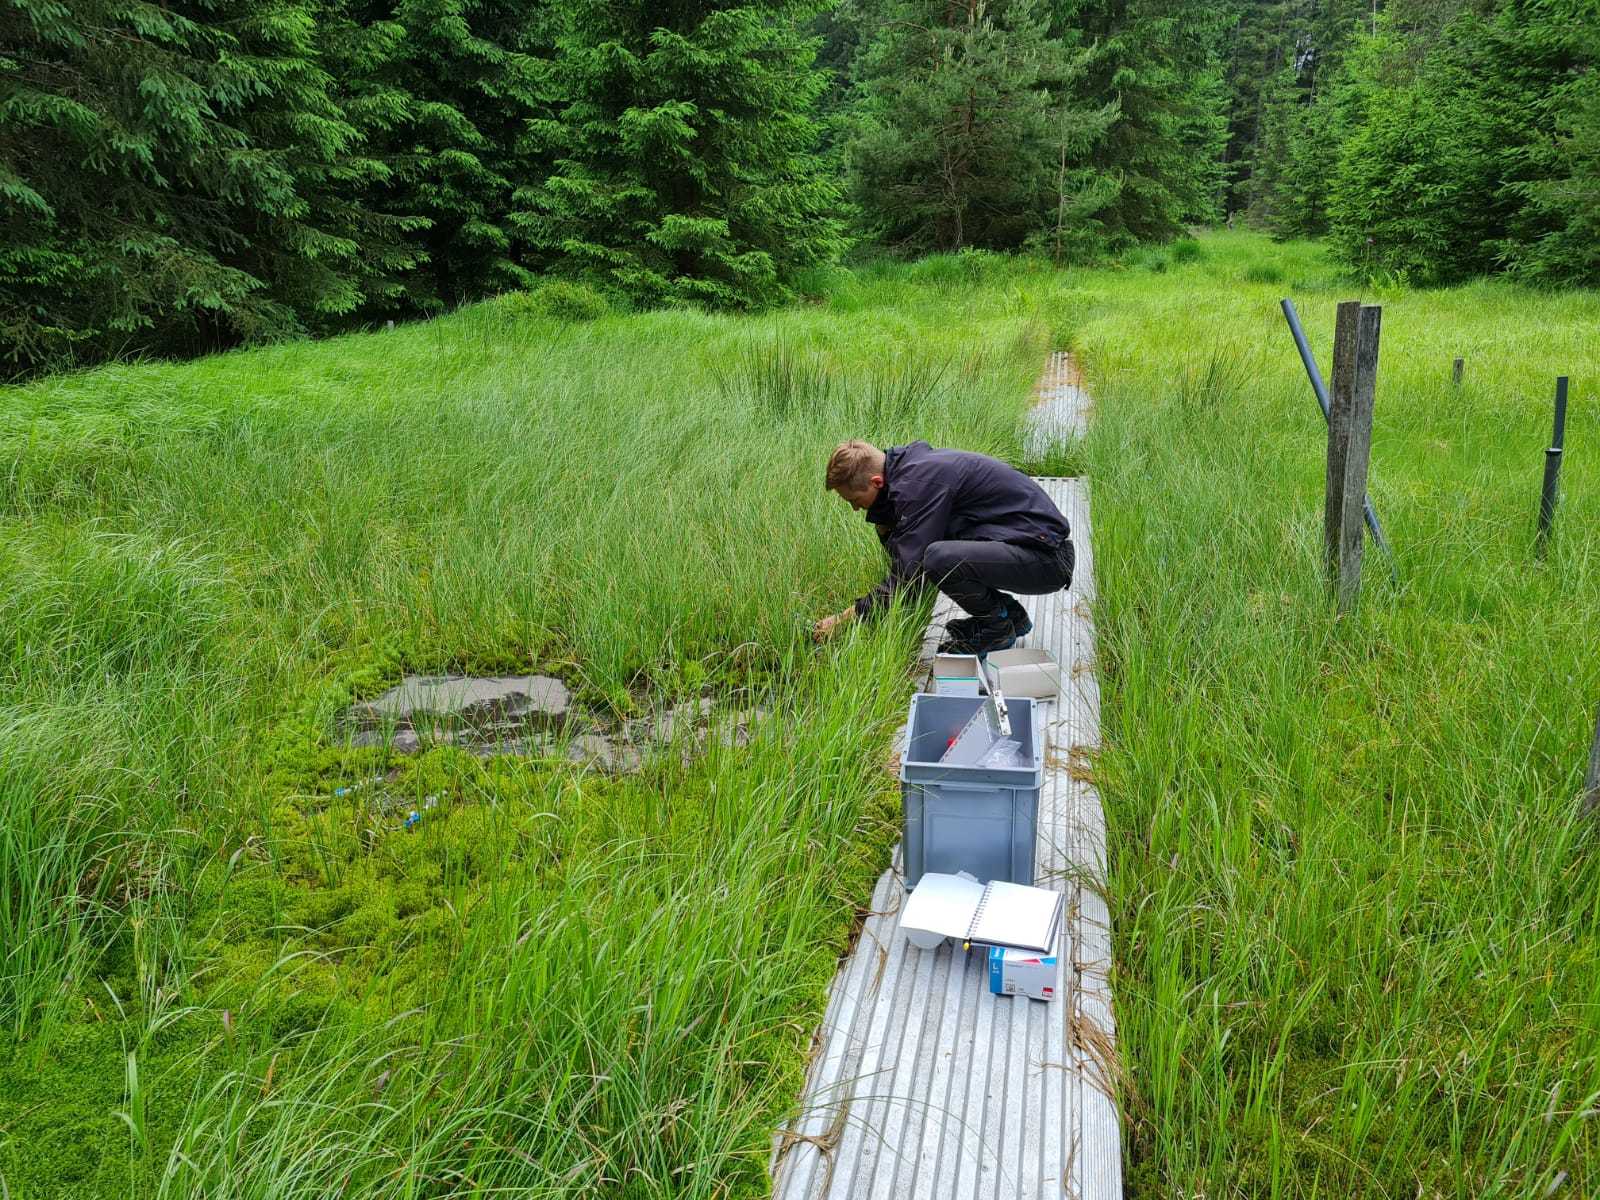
point(60, 1134)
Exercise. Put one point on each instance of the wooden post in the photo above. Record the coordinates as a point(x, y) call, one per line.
point(1591, 782)
point(1455, 372)
point(1358, 456)
point(1341, 404)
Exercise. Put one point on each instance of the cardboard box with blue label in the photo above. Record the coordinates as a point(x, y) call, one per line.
point(1022, 973)
point(957, 675)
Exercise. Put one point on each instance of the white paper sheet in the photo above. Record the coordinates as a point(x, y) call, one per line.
point(940, 906)
point(1012, 914)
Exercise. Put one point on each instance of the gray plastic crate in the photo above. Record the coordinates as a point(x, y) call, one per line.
point(982, 820)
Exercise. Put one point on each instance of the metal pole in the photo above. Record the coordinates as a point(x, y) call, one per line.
point(1591, 781)
point(1559, 438)
point(1321, 389)
point(1547, 496)
point(1550, 490)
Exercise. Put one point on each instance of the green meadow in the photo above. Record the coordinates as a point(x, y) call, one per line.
point(1354, 912)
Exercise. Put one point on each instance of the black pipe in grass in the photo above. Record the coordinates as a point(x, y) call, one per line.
point(1551, 488)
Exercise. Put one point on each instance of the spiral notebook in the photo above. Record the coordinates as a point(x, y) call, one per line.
point(994, 914)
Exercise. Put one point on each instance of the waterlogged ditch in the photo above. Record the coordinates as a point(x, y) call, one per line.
point(532, 715)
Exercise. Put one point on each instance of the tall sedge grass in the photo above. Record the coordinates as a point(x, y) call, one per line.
point(217, 976)
point(1355, 912)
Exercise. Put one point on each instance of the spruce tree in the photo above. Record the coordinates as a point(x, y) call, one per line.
point(465, 79)
point(1285, 60)
point(1565, 208)
point(175, 178)
point(322, 249)
point(963, 135)
point(1160, 63)
point(681, 140)
point(1448, 167)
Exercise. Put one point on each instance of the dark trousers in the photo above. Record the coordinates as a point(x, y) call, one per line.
point(977, 575)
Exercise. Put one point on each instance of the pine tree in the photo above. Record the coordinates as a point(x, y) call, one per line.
point(682, 143)
point(963, 136)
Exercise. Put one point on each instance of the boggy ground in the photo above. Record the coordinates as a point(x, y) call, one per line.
point(1355, 921)
point(229, 969)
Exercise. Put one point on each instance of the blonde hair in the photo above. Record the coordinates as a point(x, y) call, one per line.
point(853, 465)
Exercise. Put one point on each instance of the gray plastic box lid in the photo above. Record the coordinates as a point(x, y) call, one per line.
point(982, 820)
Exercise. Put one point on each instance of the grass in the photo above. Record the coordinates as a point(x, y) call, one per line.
point(1355, 916)
point(220, 977)
point(1355, 921)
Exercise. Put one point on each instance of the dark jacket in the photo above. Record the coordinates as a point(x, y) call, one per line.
point(953, 495)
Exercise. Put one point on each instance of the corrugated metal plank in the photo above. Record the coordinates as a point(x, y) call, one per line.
point(1062, 412)
point(804, 1154)
point(921, 1113)
point(955, 1001)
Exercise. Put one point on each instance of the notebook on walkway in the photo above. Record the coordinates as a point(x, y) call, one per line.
point(995, 914)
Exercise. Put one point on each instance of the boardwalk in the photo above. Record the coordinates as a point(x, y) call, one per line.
point(1062, 411)
point(924, 1084)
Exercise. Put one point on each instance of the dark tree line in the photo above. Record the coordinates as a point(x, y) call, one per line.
point(1430, 139)
point(190, 174)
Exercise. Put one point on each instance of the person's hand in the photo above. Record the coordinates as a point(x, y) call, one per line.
point(828, 626)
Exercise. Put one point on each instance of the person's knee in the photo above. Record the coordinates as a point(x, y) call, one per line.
point(1066, 560)
point(939, 560)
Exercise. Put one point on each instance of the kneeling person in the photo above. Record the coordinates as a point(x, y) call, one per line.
point(964, 523)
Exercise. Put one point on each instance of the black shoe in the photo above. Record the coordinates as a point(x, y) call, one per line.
point(1021, 625)
point(961, 627)
point(965, 627)
point(992, 632)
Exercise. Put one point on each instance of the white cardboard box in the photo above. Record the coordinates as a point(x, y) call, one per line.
point(1026, 672)
point(1022, 973)
point(956, 675)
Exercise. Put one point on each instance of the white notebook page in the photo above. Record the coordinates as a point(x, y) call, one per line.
point(1012, 914)
point(940, 906)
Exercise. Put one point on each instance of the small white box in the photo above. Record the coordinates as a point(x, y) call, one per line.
point(1022, 973)
point(1026, 672)
point(956, 675)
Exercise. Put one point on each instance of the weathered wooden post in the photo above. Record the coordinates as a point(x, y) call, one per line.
point(1320, 390)
point(1591, 781)
point(1455, 372)
point(1341, 401)
point(1355, 378)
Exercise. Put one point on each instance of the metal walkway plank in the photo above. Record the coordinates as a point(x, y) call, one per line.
point(923, 1084)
